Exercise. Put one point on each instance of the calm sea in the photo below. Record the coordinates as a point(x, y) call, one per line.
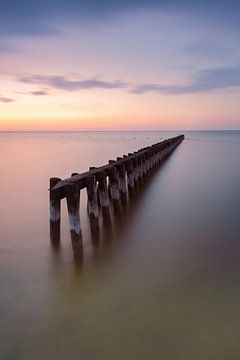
point(162, 283)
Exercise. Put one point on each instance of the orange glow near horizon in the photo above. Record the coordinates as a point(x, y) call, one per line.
point(116, 110)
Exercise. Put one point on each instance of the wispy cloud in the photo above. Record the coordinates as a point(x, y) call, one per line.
point(205, 80)
point(39, 93)
point(60, 82)
point(202, 81)
point(4, 99)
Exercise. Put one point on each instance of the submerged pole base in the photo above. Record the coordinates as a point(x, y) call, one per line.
point(106, 216)
point(77, 244)
point(94, 222)
point(55, 232)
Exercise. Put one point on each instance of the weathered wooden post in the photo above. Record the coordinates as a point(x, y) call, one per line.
point(102, 189)
point(55, 212)
point(92, 202)
point(147, 162)
point(163, 151)
point(114, 186)
point(130, 176)
point(135, 171)
point(160, 157)
point(121, 169)
point(103, 196)
point(140, 168)
point(169, 147)
point(73, 205)
point(155, 158)
point(150, 160)
point(92, 168)
point(144, 159)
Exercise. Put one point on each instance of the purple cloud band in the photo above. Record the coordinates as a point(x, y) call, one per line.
point(60, 82)
point(202, 81)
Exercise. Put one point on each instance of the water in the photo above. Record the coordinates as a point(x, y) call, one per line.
point(163, 283)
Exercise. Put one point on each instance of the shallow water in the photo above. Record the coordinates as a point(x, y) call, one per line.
point(162, 283)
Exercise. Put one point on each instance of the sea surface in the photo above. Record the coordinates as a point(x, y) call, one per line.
point(163, 282)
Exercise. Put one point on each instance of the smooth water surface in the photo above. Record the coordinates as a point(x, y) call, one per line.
point(163, 281)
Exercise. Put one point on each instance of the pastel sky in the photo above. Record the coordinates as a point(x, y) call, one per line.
point(129, 64)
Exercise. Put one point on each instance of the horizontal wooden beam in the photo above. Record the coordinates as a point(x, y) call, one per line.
point(58, 191)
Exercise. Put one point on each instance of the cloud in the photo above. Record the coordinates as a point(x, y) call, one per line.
point(60, 82)
point(35, 17)
point(4, 99)
point(205, 80)
point(201, 81)
point(39, 93)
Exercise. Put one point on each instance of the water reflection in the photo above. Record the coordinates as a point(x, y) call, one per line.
point(154, 284)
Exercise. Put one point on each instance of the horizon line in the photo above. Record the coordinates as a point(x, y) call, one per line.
point(124, 130)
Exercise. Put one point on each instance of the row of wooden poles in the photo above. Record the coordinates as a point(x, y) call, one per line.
point(107, 184)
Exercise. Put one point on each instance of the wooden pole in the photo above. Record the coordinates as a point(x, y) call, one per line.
point(130, 175)
point(73, 204)
point(55, 212)
point(121, 169)
point(113, 184)
point(147, 162)
point(150, 160)
point(135, 171)
point(160, 154)
point(155, 158)
point(92, 202)
point(140, 168)
point(102, 189)
point(144, 158)
point(103, 197)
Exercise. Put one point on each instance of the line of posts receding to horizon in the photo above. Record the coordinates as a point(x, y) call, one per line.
point(106, 185)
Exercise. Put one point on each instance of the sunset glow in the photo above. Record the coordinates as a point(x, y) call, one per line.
point(119, 66)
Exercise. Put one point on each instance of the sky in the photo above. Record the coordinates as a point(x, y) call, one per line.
point(119, 65)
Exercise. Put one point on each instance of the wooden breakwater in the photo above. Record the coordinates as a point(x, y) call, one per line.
point(107, 184)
